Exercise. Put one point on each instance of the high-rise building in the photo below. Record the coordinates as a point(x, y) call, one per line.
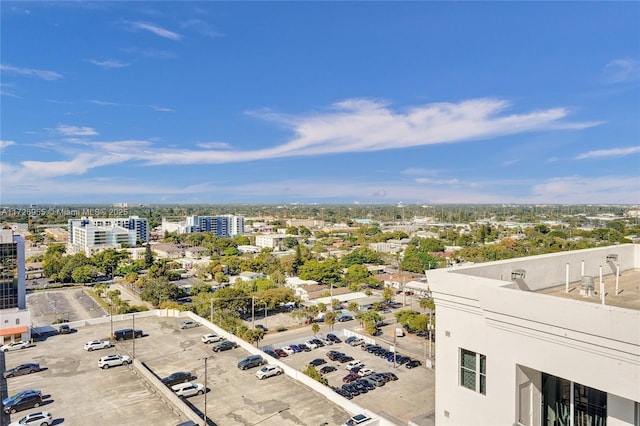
point(91, 235)
point(223, 226)
point(14, 315)
point(548, 340)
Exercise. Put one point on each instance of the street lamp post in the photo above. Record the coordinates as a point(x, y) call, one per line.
point(133, 352)
point(111, 319)
point(205, 390)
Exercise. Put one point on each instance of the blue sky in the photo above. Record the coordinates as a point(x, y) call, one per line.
point(325, 102)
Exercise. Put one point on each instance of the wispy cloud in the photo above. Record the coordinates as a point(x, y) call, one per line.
point(356, 126)
point(161, 109)
point(109, 63)
point(157, 30)
point(582, 189)
point(438, 181)
point(622, 70)
point(508, 163)
point(611, 152)
point(214, 145)
point(419, 171)
point(4, 144)
point(201, 27)
point(75, 130)
point(30, 72)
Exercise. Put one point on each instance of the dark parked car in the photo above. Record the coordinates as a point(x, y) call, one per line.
point(353, 390)
point(127, 333)
point(344, 318)
point(327, 369)
point(304, 347)
point(317, 342)
point(389, 375)
point(295, 348)
point(64, 329)
point(262, 327)
point(177, 377)
point(334, 355)
point(345, 358)
point(413, 364)
point(316, 362)
point(343, 393)
point(251, 361)
point(271, 353)
point(21, 370)
point(367, 384)
point(224, 346)
point(334, 338)
point(23, 402)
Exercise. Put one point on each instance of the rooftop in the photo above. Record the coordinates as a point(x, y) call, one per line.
point(628, 295)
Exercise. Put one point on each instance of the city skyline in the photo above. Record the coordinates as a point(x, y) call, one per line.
point(269, 102)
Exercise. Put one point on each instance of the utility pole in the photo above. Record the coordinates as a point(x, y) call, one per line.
point(133, 352)
point(205, 390)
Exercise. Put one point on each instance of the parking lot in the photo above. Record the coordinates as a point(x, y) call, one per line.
point(412, 395)
point(77, 392)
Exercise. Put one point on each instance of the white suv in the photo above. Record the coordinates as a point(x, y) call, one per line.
point(211, 338)
point(113, 360)
point(188, 389)
point(268, 371)
point(97, 344)
point(353, 364)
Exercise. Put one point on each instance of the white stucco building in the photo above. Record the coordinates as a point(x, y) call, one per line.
point(527, 341)
point(90, 235)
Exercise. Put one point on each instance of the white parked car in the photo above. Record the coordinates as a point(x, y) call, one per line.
point(189, 324)
point(353, 364)
point(92, 345)
point(326, 342)
point(288, 350)
point(211, 338)
point(311, 344)
point(40, 418)
point(20, 344)
point(268, 371)
point(113, 360)
point(365, 372)
point(186, 390)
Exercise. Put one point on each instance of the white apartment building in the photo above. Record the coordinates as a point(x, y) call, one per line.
point(273, 241)
point(89, 235)
point(223, 225)
point(544, 340)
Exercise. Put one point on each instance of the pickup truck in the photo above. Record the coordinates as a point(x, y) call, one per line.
point(97, 344)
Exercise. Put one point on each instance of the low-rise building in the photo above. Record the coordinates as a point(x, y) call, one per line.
point(543, 340)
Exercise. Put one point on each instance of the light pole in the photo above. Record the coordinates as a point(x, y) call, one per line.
point(111, 319)
point(133, 352)
point(205, 390)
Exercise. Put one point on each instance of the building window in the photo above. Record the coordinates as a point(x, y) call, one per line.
point(473, 371)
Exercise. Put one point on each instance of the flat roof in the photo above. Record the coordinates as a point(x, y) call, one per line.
point(628, 295)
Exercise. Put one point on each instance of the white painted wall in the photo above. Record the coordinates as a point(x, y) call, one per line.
point(594, 345)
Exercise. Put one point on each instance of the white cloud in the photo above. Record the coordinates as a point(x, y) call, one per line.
point(45, 75)
point(438, 181)
point(109, 63)
point(357, 125)
point(612, 152)
point(508, 163)
point(214, 145)
point(4, 144)
point(202, 28)
point(75, 130)
point(161, 109)
point(622, 70)
point(159, 31)
point(581, 189)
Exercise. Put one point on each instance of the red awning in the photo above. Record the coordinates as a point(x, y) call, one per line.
point(12, 331)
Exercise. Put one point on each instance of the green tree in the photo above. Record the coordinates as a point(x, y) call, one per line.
point(388, 294)
point(330, 319)
point(84, 274)
point(148, 256)
point(353, 306)
point(315, 328)
point(315, 374)
point(427, 304)
point(328, 271)
point(158, 290)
